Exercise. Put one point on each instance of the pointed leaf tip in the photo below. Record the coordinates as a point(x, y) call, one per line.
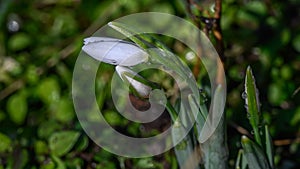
point(252, 103)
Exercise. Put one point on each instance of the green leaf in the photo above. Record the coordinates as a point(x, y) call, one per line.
point(62, 142)
point(46, 129)
point(296, 43)
point(48, 165)
point(238, 160)
point(113, 118)
point(252, 103)
point(19, 41)
point(201, 115)
point(5, 143)
point(59, 163)
point(40, 147)
point(63, 111)
point(31, 75)
point(82, 143)
point(145, 163)
point(17, 108)
point(241, 161)
point(184, 150)
point(269, 147)
point(255, 156)
point(49, 90)
point(125, 30)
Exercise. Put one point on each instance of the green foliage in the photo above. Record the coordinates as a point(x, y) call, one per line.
point(252, 104)
point(38, 56)
point(61, 143)
point(258, 154)
point(254, 155)
point(17, 108)
point(5, 143)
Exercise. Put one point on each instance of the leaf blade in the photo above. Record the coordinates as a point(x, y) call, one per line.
point(255, 156)
point(252, 104)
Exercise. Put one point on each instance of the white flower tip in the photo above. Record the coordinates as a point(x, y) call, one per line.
point(121, 70)
point(142, 89)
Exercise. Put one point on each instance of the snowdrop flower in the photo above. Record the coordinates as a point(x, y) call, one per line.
point(142, 89)
point(114, 51)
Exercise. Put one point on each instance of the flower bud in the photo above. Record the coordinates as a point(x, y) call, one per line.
point(114, 51)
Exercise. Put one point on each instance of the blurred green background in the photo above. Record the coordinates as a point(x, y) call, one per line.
point(40, 41)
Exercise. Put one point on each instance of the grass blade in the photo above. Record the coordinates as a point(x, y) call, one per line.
point(238, 160)
point(252, 104)
point(255, 156)
point(269, 147)
point(185, 149)
point(241, 161)
point(128, 33)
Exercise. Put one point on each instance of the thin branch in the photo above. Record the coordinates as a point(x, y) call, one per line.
point(240, 129)
point(285, 142)
point(217, 29)
point(197, 22)
point(16, 85)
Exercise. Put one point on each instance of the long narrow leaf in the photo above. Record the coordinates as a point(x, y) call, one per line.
point(255, 156)
point(185, 149)
point(238, 160)
point(252, 104)
point(244, 161)
point(269, 147)
point(128, 33)
point(241, 161)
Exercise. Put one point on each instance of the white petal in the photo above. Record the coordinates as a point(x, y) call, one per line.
point(114, 51)
point(141, 88)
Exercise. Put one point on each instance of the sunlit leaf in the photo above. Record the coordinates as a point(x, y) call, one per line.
point(40, 147)
point(19, 41)
point(17, 108)
point(63, 111)
point(49, 90)
point(252, 103)
point(5, 143)
point(62, 142)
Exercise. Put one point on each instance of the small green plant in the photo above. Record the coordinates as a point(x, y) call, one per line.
point(193, 127)
point(257, 153)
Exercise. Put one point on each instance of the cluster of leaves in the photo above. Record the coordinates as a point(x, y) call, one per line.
point(39, 43)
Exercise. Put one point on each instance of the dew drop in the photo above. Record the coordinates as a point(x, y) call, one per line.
point(142, 128)
point(248, 115)
point(13, 23)
point(203, 96)
point(203, 100)
point(244, 95)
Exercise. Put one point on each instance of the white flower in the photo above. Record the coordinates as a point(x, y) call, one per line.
point(142, 89)
point(114, 51)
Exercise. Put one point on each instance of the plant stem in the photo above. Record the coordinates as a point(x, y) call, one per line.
point(215, 150)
